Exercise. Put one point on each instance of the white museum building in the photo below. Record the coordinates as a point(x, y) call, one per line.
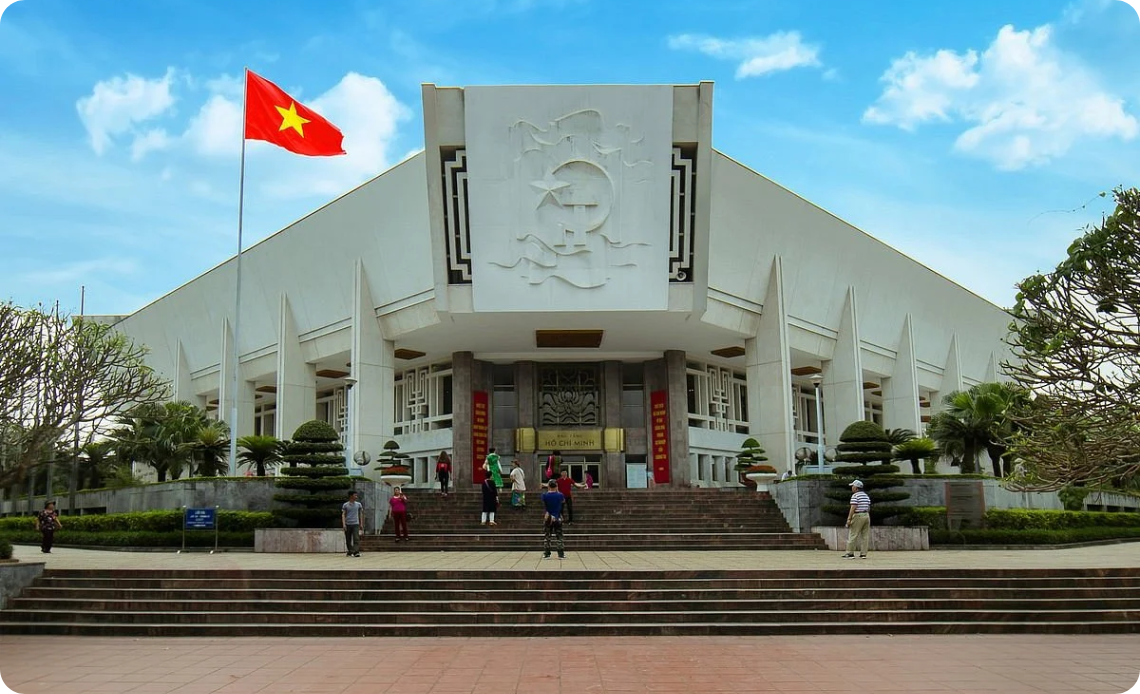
point(579, 266)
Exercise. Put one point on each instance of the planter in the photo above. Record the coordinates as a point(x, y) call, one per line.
point(395, 480)
point(297, 540)
point(15, 577)
point(883, 537)
point(761, 479)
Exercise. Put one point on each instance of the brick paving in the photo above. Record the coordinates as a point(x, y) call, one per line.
point(1051, 664)
point(495, 665)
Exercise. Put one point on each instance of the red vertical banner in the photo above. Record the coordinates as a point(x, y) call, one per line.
point(659, 434)
point(480, 434)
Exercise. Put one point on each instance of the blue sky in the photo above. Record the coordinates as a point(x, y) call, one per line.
point(964, 134)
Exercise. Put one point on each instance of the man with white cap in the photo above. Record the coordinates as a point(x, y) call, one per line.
point(858, 522)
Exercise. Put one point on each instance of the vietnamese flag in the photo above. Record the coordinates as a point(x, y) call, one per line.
point(274, 116)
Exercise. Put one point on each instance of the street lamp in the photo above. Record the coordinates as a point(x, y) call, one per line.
point(349, 425)
point(817, 381)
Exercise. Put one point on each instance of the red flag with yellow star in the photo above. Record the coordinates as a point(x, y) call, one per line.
point(274, 116)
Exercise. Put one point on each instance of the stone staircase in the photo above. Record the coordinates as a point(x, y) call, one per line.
point(556, 602)
point(646, 519)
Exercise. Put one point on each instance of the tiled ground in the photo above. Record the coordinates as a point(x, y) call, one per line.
point(868, 664)
point(1120, 555)
point(1006, 664)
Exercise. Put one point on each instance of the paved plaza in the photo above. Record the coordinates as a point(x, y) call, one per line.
point(1052, 664)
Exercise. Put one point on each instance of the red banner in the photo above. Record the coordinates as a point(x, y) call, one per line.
point(480, 434)
point(659, 434)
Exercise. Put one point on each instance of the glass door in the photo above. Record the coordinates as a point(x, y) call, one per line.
point(581, 465)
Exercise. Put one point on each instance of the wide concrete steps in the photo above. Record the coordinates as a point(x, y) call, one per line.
point(557, 602)
point(604, 520)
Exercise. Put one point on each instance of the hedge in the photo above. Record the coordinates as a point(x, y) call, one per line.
point(127, 538)
point(1026, 519)
point(1005, 536)
point(5, 548)
point(145, 521)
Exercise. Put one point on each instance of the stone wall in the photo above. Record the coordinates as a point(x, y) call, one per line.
point(229, 494)
point(15, 577)
point(802, 501)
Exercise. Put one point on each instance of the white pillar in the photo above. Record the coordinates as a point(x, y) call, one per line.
point(373, 367)
point(951, 377)
point(900, 391)
point(992, 369)
point(183, 382)
point(296, 379)
point(768, 364)
point(246, 396)
point(843, 376)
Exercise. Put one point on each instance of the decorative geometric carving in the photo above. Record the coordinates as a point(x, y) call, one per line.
point(718, 398)
point(569, 395)
point(456, 216)
point(422, 399)
point(682, 213)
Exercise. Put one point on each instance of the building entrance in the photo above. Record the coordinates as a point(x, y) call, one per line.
point(581, 464)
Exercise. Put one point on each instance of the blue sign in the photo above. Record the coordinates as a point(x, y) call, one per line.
point(200, 518)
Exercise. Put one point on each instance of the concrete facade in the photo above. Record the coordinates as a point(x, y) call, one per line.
point(618, 255)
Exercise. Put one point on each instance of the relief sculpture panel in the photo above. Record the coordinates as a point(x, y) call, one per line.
point(569, 197)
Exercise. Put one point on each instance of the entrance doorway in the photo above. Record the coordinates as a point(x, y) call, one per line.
point(579, 465)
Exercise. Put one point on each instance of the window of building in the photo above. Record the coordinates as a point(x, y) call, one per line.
point(423, 399)
point(718, 398)
point(633, 396)
point(804, 413)
point(504, 400)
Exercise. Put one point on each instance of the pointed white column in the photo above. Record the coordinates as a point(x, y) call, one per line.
point(951, 377)
point(843, 376)
point(245, 394)
point(296, 379)
point(768, 364)
point(992, 370)
point(900, 391)
point(183, 382)
point(373, 367)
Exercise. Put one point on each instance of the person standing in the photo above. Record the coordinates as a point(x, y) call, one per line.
point(552, 502)
point(858, 522)
point(350, 515)
point(443, 471)
point(398, 510)
point(566, 488)
point(553, 464)
point(490, 501)
point(492, 467)
point(47, 522)
point(518, 486)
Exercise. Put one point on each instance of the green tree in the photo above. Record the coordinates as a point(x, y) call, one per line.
point(915, 450)
point(316, 479)
point(865, 447)
point(263, 452)
point(1075, 335)
point(95, 464)
point(210, 448)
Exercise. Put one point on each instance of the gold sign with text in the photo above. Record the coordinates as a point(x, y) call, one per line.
point(569, 440)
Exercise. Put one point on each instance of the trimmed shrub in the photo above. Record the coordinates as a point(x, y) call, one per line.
point(315, 468)
point(144, 521)
point(5, 548)
point(1017, 519)
point(1005, 536)
point(862, 444)
point(139, 538)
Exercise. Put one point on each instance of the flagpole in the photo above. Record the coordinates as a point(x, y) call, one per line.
point(235, 353)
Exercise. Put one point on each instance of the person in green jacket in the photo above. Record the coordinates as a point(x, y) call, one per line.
point(492, 467)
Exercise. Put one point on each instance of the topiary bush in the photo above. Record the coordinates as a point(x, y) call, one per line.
point(865, 446)
point(392, 461)
point(315, 477)
point(5, 548)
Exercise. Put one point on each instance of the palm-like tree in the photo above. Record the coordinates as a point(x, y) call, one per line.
point(1008, 400)
point(261, 451)
point(163, 437)
point(95, 463)
point(896, 437)
point(916, 450)
point(955, 440)
point(210, 449)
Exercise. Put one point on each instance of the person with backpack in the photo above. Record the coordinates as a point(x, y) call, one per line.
point(443, 471)
point(553, 463)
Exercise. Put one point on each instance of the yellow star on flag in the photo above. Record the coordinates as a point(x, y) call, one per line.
point(290, 118)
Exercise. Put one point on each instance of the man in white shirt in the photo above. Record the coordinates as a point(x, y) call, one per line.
point(518, 486)
point(858, 522)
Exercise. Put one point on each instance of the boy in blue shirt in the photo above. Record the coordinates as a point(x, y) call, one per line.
point(552, 501)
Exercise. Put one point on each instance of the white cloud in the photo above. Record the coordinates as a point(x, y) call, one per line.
point(1026, 101)
point(69, 274)
point(216, 129)
point(117, 105)
point(152, 140)
point(780, 51)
